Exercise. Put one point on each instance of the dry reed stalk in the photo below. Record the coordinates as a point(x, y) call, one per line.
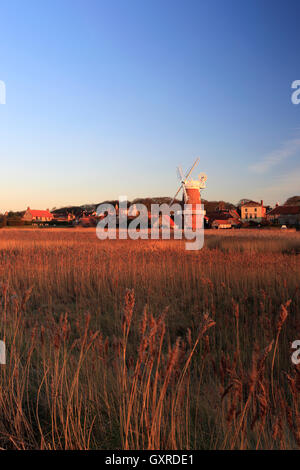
point(282, 318)
point(258, 363)
point(47, 402)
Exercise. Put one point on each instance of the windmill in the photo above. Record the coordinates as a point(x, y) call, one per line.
point(190, 188)
point(191, 197)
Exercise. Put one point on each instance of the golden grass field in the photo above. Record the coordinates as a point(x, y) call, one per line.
point(144, 345)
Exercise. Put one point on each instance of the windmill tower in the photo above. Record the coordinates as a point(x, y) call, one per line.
point(191, 192)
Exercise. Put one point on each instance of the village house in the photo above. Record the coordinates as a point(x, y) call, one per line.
point(63, 219)
point(224, 218)
point(284, 215)
point(254, 211)
point(33, 215)
point(226, 222)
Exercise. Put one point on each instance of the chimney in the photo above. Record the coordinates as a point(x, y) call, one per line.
point(28, 208)
point(277, 204)
point(262, 203)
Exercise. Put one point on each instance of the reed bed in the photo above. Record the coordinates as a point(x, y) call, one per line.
point(144, 345)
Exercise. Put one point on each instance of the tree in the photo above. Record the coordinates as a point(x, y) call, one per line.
point(2, 221)
point(15, 220)
point(293, 201)
point(243, 201)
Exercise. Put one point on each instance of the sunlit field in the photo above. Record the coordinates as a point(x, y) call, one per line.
point(144, 345)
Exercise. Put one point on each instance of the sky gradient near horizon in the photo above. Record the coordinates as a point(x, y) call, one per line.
point(106, 98)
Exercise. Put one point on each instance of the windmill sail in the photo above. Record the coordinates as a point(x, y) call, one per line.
point(183, 181)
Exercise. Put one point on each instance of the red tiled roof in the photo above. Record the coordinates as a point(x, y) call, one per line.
point(38, 213)
point(234, 213)
point(285, 210)
point(226, 221)
point(220, 216)
point(222, 221)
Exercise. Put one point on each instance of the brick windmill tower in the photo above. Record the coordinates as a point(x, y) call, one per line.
point(191, 194)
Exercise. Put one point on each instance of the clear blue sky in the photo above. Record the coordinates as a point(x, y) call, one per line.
point(105, 98)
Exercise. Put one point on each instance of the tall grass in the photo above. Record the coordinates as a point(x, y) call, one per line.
point(143, 345)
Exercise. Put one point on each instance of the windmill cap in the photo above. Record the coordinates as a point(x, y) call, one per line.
point(195, 184)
